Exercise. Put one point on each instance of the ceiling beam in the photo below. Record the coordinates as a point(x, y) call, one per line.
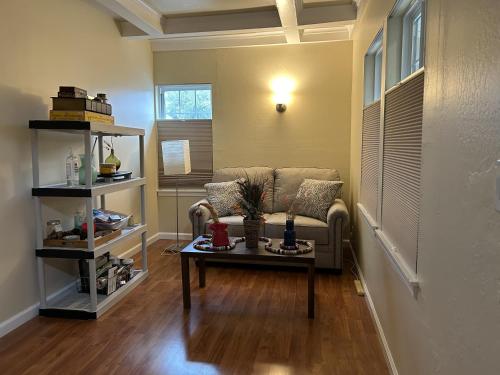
point(179, 43)
point(288, 11)
point(138, 13)
point(237, 20)
point(326, 34)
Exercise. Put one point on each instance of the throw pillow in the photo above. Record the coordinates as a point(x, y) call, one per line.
point(315, 197)
point(223, 196)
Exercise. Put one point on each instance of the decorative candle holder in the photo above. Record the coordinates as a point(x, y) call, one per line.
point(289, 234)
point(219, 234)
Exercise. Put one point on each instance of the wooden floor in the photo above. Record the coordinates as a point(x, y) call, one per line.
point(246, 321)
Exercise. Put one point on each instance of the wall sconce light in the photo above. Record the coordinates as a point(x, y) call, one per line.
point(280, 107)
point(282, 88)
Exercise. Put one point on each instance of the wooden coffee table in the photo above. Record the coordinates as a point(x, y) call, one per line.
point(240, 252)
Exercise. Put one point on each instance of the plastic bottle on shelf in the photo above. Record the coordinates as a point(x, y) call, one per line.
point(72, 167)
point(79, 219)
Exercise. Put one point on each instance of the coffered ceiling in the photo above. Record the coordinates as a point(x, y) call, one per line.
point(199, 24)
point(201, 6)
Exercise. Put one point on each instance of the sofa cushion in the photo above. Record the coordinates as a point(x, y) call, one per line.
point(315, 198)
point(223, 196)
point(306, 228)
point(231, 174)
point(287, 182)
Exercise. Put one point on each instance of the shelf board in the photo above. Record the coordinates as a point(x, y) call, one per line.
point(97, 128)
point(109, 301)
point(77, 305)
point(99, 188)
point(72, 253)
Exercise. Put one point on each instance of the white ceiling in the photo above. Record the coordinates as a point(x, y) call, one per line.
point(199, 24)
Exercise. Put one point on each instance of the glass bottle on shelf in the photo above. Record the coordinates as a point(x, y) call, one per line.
point(72, 169)
point(81, 174)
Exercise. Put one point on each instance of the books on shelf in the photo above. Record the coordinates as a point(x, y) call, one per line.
point(81, 116)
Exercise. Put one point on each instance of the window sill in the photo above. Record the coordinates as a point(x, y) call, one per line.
point(369, 220)
point(183, 192)
point(161, 120)
point(408, 276)
point(406, 79)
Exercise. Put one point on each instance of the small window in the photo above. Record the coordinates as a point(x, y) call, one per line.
point(405, 41)
point(378, 74)
point(413, 40)
point(373, 71)
point(185, 102)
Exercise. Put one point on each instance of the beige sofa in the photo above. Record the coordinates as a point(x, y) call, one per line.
point(281, 188)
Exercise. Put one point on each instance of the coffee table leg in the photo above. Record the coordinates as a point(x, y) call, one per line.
point(186, 293)
point(201, 272)
point(310, 291)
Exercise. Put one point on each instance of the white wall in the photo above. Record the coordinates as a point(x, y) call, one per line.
point(46, 44)
point(453, 325)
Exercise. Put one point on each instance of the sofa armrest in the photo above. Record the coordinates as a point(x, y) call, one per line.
point(199, 211)
point(338, 224)
point(338, 210)
point(199, 215)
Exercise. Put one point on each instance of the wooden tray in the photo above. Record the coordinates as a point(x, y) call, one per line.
point(82, 244)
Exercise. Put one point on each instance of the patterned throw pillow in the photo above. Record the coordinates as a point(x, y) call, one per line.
point(223, 196)
point(315, 197)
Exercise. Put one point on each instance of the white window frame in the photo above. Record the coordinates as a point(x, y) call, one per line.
point(373, 71)
point(410, 60)
point(377, 74)
point(160, 102)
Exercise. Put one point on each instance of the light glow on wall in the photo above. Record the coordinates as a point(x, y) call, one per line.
point(282, 88)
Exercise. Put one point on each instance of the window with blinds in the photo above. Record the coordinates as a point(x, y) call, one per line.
point(199, 134)
point(391, 149)
point(402, 155)
point(371, 127)
point(370, 158)
point(184, 112)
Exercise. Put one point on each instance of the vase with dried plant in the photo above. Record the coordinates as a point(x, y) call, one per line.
point(250, 205)
point(112, 158)
point(219, 230)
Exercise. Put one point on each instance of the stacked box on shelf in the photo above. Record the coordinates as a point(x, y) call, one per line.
point(80, 104)
point(73, 104)
point(71, 92)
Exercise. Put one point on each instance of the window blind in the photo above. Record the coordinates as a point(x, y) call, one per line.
point(369, 158)
point(199, 134)
point(402, 165)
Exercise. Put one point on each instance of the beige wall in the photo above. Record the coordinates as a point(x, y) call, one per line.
point(166, 213)
point(452, 326)
point(315, 129)
point(46, 44)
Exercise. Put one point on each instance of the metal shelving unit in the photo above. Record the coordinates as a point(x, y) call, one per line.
point(72, 304)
